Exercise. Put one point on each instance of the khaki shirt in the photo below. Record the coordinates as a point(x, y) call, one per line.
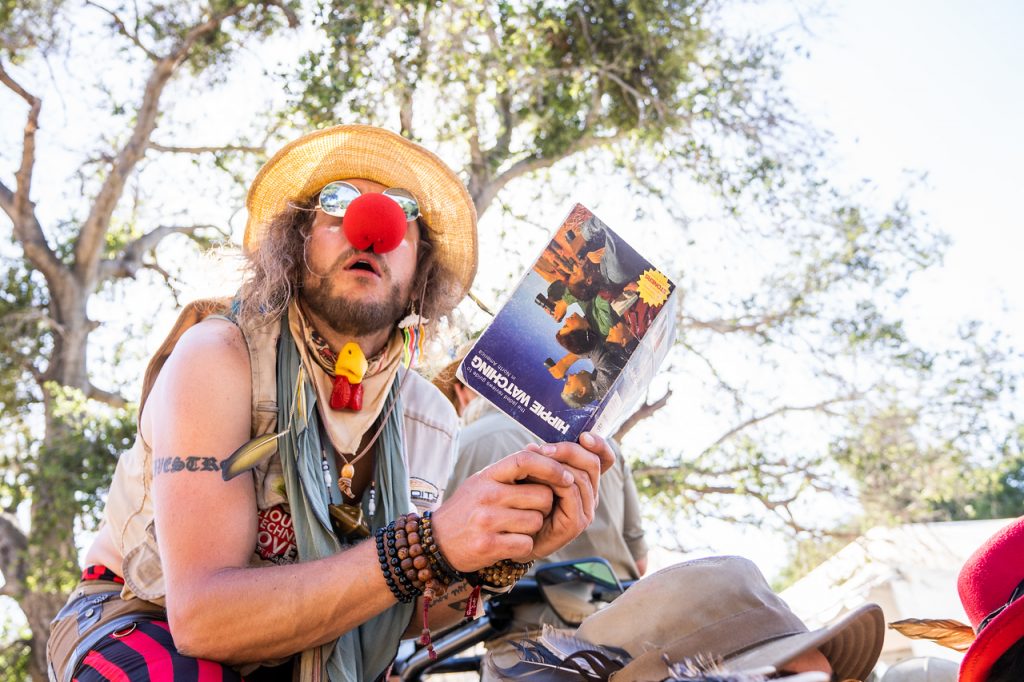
point(430, 430)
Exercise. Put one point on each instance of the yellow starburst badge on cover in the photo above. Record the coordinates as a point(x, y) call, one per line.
point(654, 288)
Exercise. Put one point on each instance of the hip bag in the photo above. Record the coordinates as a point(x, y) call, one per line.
point(93, 611)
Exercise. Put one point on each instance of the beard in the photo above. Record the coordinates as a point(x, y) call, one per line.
point(353, 317)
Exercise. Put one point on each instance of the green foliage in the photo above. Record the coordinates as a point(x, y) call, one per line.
point(15, 650)
point(27, 25)
point(66, 478)
point(93, 435)
point(808, 553)
point(952, 453)
point(529, 80)
point(899, 483)
point(24, 337)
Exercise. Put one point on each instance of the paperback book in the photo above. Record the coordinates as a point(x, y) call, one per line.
point(580, 338)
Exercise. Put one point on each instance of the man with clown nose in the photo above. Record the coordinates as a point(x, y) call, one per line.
point(281, 514)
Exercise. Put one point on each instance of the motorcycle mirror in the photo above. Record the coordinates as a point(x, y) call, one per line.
point(576, 589)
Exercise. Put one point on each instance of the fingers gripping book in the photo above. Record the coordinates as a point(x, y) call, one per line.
point(581, 336)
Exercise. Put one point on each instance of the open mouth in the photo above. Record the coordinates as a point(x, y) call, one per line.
point(363, 264)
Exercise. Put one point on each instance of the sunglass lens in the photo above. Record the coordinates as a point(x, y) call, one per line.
point(336, 196)
point(406, 200)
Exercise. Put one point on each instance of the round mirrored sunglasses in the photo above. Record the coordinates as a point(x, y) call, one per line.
point(336, 196)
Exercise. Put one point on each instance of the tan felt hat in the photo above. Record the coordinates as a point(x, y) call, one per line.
point(723, 607)
point(301, 168)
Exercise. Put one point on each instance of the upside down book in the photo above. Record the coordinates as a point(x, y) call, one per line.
point(581, 336)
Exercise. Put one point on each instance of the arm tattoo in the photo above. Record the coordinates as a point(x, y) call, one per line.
point(452, 596)
point(172, 465)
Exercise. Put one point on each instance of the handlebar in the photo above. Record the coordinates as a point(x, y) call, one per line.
point(496, 621)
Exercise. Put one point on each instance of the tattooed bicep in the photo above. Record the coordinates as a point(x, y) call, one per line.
point(173, 465)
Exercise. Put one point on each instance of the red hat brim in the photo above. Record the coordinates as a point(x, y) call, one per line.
point(992, 642)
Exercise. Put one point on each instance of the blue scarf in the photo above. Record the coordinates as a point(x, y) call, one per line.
point(361, 654)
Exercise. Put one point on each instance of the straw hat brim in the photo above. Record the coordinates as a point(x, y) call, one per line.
point(852, 645)
point(301, 168)
point(446, 377)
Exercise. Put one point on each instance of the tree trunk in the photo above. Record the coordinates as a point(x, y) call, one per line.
point(51, 544)
point(39, 610)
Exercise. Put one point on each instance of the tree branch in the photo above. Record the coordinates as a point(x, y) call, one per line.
point(91, 236)
point(816, 407)
point(289, 13)
point(641, 413)
point(500, 150)
point(106, 397)
point(17, 322)
point(485, 195)
point(130, 260)
point(725, 385)
point(13, 545)
point(123, 30)
point(206, 150)
point(749, 325)
point(17, 203)
point(168, 280)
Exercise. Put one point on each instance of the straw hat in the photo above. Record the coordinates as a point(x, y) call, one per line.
point(723, 607)
point(445, 378)
point(302, 167)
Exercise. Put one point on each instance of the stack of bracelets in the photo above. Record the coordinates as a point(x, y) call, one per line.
point(413, 565)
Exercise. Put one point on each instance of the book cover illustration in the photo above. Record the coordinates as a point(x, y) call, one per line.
point(581, 336)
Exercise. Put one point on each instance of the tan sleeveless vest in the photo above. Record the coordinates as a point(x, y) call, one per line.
point(429, 421)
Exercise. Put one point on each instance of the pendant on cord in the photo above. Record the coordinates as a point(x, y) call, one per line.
point(348, 521)
point(345, 480)
point(349, 368)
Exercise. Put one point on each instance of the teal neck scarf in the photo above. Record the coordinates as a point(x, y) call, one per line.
point(361, 654)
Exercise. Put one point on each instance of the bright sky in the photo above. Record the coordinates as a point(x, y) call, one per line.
point(933, 87)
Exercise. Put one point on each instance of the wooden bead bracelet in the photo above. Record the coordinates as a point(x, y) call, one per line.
point(413, 565)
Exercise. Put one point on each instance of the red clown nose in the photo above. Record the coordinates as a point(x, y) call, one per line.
point(374, 221)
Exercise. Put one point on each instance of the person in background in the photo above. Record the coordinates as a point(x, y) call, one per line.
point(922, 669)
point(615, 534)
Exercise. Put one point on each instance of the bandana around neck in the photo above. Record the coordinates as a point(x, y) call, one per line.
point(345, 429)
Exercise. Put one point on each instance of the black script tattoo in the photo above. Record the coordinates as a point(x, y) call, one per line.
point(172, 465)
point(453, 594)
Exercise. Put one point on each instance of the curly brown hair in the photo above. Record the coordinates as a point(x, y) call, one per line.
point(274, 269)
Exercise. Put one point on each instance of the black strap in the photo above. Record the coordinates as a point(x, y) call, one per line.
point(1017, 593)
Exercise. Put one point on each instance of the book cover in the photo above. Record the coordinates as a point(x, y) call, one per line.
point(581, 336)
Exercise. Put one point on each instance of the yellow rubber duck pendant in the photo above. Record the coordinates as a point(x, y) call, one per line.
point(349, 369)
